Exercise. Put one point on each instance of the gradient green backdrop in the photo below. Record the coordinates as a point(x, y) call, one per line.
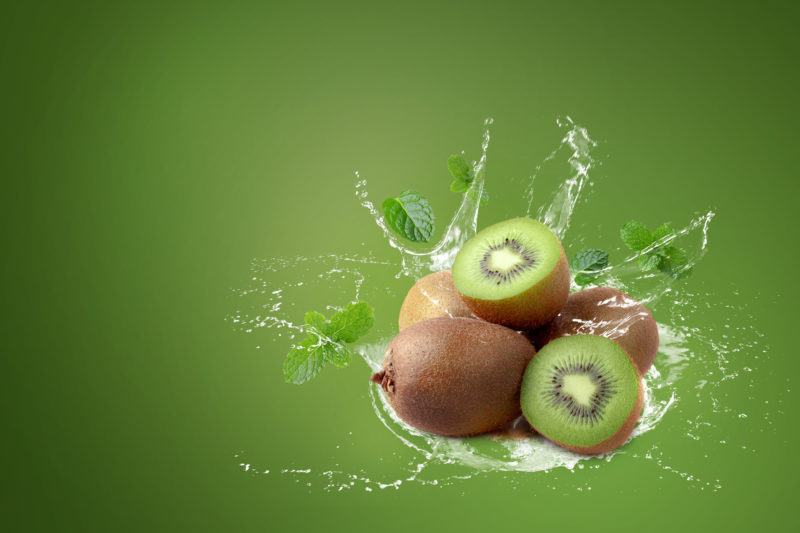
point(148, 151)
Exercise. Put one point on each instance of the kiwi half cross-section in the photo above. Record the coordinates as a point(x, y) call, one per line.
point(432, 296)
point(513, 273)
point(455, 376)
point(584, 393)
point(611, 313)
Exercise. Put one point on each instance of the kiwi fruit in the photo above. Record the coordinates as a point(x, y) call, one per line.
point(432, 296)
point(610, 313)
point(455, 376)
point(513, 273)
point(583, 392)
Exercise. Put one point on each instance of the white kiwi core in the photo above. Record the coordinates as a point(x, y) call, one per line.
point(581, 387)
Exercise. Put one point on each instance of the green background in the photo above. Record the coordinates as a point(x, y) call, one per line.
point(150, 151)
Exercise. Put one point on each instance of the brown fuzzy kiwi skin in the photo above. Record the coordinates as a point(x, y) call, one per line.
point(617, 439)
point(532, 308)
point(455, 376)
point(432, 296)
point(599, 311)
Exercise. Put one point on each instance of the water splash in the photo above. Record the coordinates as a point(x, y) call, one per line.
point(533, 453)
point(265, 304)
point(463, 225)
point(682, 346)
point(557, 214)
point(524, 451)
point(649, 286)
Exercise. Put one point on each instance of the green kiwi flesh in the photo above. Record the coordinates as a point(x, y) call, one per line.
point(582, 392)
point(432, 296)
point(608, 312)
point(513, 273)
point(455, 376)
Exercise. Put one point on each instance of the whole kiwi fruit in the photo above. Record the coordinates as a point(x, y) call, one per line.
point(610, 313)
point(455, 376)
point(432, 296)
point(513, 273)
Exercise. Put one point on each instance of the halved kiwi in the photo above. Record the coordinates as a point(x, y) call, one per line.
point(513, 273)
point(583, 392)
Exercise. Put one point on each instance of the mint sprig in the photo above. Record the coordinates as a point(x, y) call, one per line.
point(326, 341)
point(674, 262)
point(463, 177)
point(409, 215)
point(636, 236)
point(461, 171)
point(588, 265)
point(659, 254)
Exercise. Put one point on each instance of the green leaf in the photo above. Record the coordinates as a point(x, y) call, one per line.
point(583, 280)
point(590, 260)
point(588, 265)
point(668, 259)
point(339, 356)
point(664, 230)
point(317, 321)
point(675, 262)
point(636, 236)
point(458, 185)
point(459, 168)
point(461, 172)
point(305, 360)
point(349, 324)
point(649, 262)
point(410, 216)
point(325, 341)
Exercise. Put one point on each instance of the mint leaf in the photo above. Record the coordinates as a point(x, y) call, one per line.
point(674, 262)
point(339, 356)
point(317, 321)
point(587, 265)
point(583, 280)
point(636, 236)
point(591, 259)
point(410, 216)
point(352, 322)
point(664, 230)
point(459, 168)
point(305, 360)
point(649, 262)
point(461, 172)
point(459, 185)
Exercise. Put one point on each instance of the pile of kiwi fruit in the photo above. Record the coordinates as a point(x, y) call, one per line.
point(500, 337)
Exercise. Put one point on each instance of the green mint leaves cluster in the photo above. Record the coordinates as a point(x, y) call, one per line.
point(463, 176)
point(410, 215)
point(656, 253)
point(588, 265)
point(326, 341)
point(461, 171)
